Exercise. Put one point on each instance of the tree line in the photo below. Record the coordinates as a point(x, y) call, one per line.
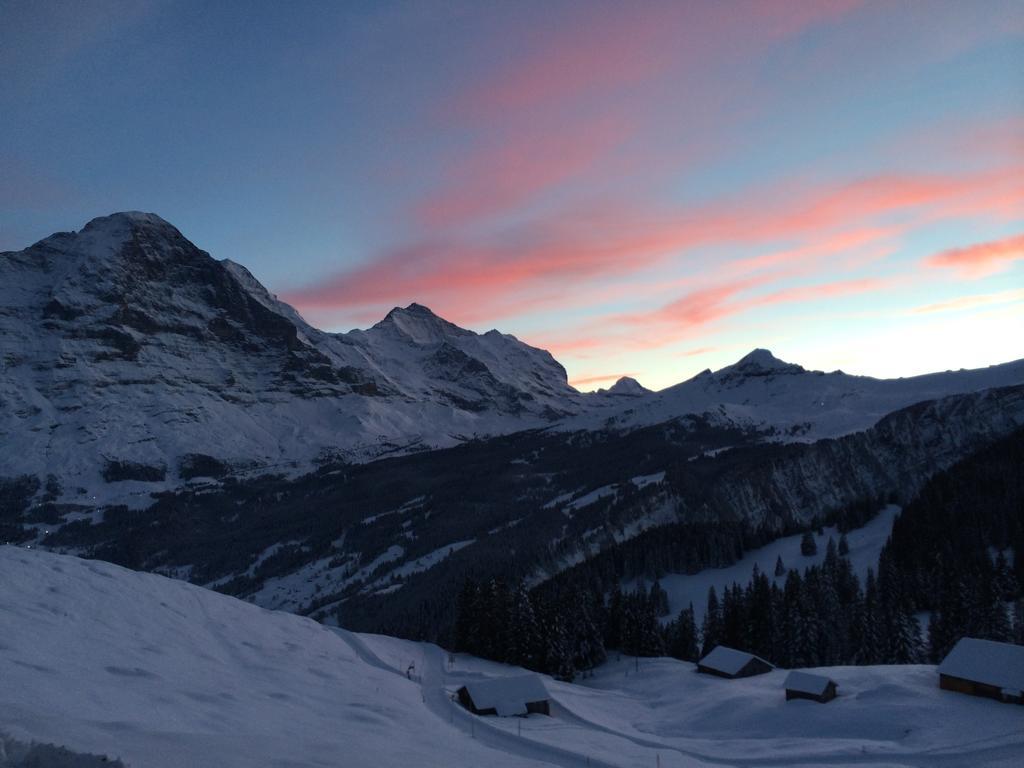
point(947, 556)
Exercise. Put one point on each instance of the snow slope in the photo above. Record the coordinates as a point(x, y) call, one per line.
point(884, 716)
point(665, 714)
point(165, 674)
point(865, 545)
point(161, 673)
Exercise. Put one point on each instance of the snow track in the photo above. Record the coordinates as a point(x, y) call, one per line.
point(438, 701)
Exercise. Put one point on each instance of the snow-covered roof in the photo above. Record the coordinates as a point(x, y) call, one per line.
point(728, 660)
point(805, 682)
point(507, 695)
point(986, 661)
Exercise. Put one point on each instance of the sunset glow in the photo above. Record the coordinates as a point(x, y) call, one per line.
point(654, 188)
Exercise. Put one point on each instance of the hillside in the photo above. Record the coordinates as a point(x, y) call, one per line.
point(163, 674)
point(385, 546)
point(160, 673)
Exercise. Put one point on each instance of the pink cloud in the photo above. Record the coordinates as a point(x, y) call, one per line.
point(505, 229)
point(585, 380)
point(970, 302)
point(514, 271)
point(982, 259)
point(696, 313)
point(532, 127)
point(698, 351)
point(612, 48)
point(616, 48)
point(808, 293)
point(517, 171)
point(696, 308)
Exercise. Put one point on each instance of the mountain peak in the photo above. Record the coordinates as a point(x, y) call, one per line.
point(627, 385)
point(760, 356)
point(127, 218)
point(762, 362)
point(118, 227)
point(416, 310)
point(419, 324)
point(106, 236)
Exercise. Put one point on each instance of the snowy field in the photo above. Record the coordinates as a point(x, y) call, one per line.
point(162, 673)
point(865, 545)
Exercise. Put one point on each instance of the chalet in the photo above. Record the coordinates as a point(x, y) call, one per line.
point(984, 668)
point(728, 662)
point(506, 696)
point(804, 685)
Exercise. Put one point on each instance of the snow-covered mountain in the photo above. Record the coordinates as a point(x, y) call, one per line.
point(132, 356)
point(626, 386)
point(789, 402)
point(133, 361)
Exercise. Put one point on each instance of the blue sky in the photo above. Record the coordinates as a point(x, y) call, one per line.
point(645, 189)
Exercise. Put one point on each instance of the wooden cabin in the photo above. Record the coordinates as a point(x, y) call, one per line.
point(506, 696)
point(984, 668)
point(804, 685)
point(731, 663)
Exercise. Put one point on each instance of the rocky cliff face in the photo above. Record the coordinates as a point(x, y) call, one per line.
point(128, 350)
point(794, 486)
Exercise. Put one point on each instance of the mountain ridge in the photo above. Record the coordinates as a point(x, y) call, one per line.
point(131, 352)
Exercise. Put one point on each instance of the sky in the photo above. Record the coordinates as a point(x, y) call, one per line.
point(645, 189)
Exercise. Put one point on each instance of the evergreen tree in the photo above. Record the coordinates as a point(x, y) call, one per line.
point(904, 631)
point(581, 616)
point(734, 619)
point(831, 617)
point(711, 629)
point(808, 625)
point(993, 621)
point(790, 625)
point(1018, 622)
point(651, 640)
point(466, 621)
point(526, 642)
point(659, 599)
point(871, 642)
point(808, 546)
point(780, 569)
point(683, 636)
point(844, 546)
point(758, 614)
point(1005, 581)
point(614, 624)
point(831, 554)
point(951, 620)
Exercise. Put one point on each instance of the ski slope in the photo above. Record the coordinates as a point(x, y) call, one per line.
point(161, 673)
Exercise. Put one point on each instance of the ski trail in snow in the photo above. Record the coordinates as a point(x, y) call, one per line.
point(435, 697)
point(363, 651)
